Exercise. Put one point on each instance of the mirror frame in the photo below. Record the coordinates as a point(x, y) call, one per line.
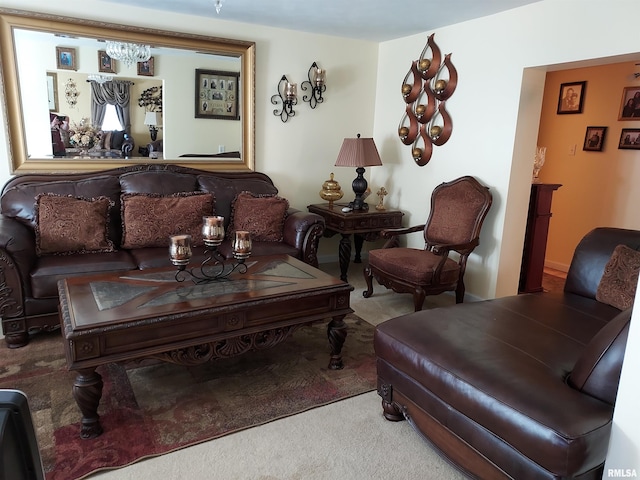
point(19, 161)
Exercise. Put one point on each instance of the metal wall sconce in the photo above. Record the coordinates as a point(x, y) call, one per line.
point(316, 82)
point(287, 95)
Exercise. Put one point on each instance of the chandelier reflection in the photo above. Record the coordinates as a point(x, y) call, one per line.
point(128, 53)
point(214, 267)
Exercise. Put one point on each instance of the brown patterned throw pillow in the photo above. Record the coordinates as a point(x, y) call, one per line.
point(149, 219)
point(261, 215)
point(66, 225)
point(620, 278)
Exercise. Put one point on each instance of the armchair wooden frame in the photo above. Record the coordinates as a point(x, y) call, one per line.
point(433, 270)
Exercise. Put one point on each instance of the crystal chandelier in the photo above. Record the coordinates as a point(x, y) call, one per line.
point(95, 77)
point(218, 4)
point(129, 53)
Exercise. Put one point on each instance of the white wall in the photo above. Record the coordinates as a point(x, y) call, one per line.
point(496, 111)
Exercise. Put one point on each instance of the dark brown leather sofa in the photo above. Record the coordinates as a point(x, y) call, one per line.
point(518, 387)
point(28, 282)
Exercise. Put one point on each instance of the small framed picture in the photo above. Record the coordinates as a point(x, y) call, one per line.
point(630, 104)
point(66, 58)
point(630, 139)
point(146, 68)
point(594, 139)
point(52, 91)
point(571, 97)
point(216, 95)
point(106, 64)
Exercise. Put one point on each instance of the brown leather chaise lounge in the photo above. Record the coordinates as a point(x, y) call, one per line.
point(524, 386)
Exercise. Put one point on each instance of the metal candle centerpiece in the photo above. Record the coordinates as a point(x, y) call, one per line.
point(214, 267)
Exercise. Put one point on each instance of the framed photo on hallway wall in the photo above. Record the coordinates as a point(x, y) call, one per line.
point(571, 98)
point(630, 104)
point(630, 139)
point(217, 95)
point(594, 139)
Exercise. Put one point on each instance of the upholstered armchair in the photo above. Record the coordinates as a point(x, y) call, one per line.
point(458, 209)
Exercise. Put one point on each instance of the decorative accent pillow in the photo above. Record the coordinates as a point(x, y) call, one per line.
point(149, 219)
point(620, 278)
point(66, 225)
point(261, 215)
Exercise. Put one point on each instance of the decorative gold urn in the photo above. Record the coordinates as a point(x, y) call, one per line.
point(331, 191)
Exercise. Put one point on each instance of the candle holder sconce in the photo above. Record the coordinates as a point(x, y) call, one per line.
point(287, 95)
point(214, 267)
point(428, 84)
point(316, 83)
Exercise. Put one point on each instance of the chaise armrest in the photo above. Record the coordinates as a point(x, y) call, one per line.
point(17, 257)
point(303, 231)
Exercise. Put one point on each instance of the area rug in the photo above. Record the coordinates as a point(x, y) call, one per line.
point(155, 408)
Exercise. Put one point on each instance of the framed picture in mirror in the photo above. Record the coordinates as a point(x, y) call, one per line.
point(217, 94)
point(52, 91)
point(146, 68)
point(66, 58)
point(106, 64)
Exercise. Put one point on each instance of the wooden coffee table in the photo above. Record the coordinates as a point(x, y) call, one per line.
point(118, 317)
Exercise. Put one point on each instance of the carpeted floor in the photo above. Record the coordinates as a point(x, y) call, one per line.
point(152, 409)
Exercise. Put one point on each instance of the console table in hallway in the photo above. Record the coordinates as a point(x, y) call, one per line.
point(362, 224)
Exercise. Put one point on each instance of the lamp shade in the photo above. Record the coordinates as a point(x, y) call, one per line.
point(358, 152)
point(151, 118)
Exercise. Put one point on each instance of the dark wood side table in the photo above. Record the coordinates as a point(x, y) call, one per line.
point(535, 240)
point(363, 225)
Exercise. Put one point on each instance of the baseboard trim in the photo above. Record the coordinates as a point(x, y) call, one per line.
point(556, 266)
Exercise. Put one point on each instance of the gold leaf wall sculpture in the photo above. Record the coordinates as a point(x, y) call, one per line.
point(428, 84)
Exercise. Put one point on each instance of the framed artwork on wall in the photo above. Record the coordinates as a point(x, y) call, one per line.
point(630, 104)
point(106, 64)
point(66, 58)
point(217, 95)
point(594, 139)
point(571, 98)
point(146, 68)
point(630, 139)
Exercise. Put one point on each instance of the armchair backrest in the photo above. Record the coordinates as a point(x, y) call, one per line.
point(458, 209)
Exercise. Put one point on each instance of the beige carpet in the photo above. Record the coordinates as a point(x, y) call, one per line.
point(346, 440)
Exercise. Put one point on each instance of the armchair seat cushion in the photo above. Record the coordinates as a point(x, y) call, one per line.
point(413, 265)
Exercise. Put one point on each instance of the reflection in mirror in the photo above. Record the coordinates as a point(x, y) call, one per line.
point(60, 84)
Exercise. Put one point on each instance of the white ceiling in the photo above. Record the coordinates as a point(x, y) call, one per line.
point(374, 20)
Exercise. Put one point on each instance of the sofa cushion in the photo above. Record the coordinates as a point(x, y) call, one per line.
point(158, 181)
point(597, 371)
point(620, 278)
point(149, 219)
point(261, 215)
point(226, 190)
point(19, 202)
point(66, 225)
point(112, 139)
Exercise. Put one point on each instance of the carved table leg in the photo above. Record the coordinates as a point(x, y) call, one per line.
point(344, 252)
point(337, 333)
point(358, 240)
point(87, 390)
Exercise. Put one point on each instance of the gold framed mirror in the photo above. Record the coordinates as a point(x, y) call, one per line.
point(27, 72)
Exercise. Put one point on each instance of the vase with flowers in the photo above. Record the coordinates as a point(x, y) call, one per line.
point(84, 136)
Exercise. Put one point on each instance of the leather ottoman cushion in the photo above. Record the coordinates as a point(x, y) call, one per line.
point(51, 268)
point(500, 368)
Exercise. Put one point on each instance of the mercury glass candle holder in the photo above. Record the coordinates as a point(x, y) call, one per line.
point(241, 245)
point(180, 250)
point(212, 231)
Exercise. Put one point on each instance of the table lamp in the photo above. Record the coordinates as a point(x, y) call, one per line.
point(358, 152)
point(151, 119)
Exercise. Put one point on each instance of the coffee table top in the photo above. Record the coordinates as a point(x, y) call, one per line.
point(112, 299)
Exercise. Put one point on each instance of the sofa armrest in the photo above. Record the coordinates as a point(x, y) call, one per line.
point(17, 257)
point(303, 231)
point(127, 146)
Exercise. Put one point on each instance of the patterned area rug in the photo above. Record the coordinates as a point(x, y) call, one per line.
point(152, 408)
